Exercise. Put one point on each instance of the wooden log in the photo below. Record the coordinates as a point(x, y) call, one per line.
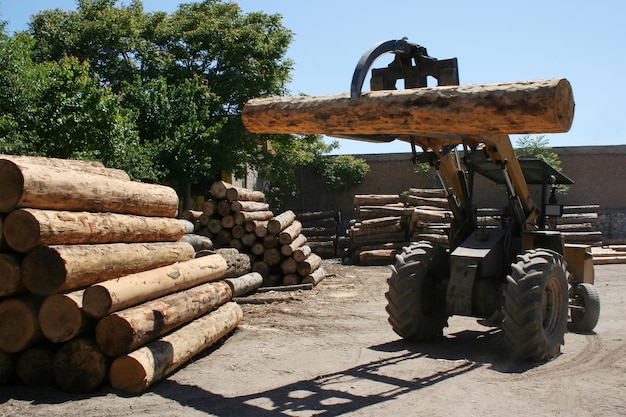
point(238, 231)
point(241, 217)
point(198, 242)
point(93, 167)
point(244, 284)
point(244, 194)
point(377, 257)
point(525, 107)
point(399, 236)
point(249, 206)
point(218, 189)
point(270, 241)
point(262, 268)
point(258, 248)
point(441, 216)
point(249, 239)
point(209, 207)
point(19, 327)
point(375, 230)
point(272, 280)
point(589, 208)
point(272, 256)
point(10, 276)
point(428, 192)
point(290, 233)
point(224, 237)
point(127, 330)
point(34, 366)
point(114, 295)
point(376, 199)
point(289, 248)
point(192, 215)
point(25, 229)
point(139, 369)
point(204, 220)
point(289, 266)
point(369, 212)
point(328, 223)
point(237, 263)
point(223, 208)
point(292, 279)
point(61, 317)
point(309, 265)
point(214, 225)
point(315, 277)
point(7, 367)
point(278, 223)
point(310, 216)
point(35, 186)
point(303, 252)
point(189, 227)
point(79, 366)
point(428, 201)
point(51, 269)
point(228, 222)
point(261, 227)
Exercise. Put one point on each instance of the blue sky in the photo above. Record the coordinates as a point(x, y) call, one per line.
point(494, 41)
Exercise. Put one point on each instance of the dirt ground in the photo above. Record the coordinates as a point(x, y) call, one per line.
point(330, 351)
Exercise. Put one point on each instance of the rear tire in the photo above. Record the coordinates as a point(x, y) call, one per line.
point(536, 306)
point(416, 309)
point(587, 297)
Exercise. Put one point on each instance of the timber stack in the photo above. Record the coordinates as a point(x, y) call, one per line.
point(276, 246)
point(94, 278)
point(320, 228)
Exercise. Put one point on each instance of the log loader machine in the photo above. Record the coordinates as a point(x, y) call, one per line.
point(520, 274)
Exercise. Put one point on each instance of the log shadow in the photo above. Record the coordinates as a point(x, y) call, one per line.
point(331, 394)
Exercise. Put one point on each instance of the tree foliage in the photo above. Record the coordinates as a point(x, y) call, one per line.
point(539, 147)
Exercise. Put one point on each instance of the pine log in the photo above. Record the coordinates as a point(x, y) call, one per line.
point(440, 216)
point(309, 265)
point(198, 242)
point(238, 231)
point(214, 225)
point(218, 189)
point(310, 216)
point(114, 295)
point(10, 277)
point(223, 208)
point(34, 366)
point(249, 206)
point(590, 208)
point(241, 217)
point(237, 263)
point(224, 237)
point(139, 369)
point(289, 266)
point(188, 226)
point(303, 252)
point(209, 207)
point(292, 279)
point(272, 256)
point(278, 223)
point(61, 317)
point(7, 367)
point(191, 215)
point(79, 366)
point(92, 167)
point(327, 223)
point(262, 268)
point(258, 248)
point(204, 220)
point(272, 280)
point(126, 330)
point(244, 194)
point(25, 229)
point(428, 201)
point(376, 199)
point(244, 284)
point(315, 277)
point(249, 239)
point(289, 248)
point(19, 327)
point(379, 238)
point(270, 241)
point(37, 186)
point(377, 257)
point(261, 228)
point(290, 233)
point(375, 230)
point(525, 107)
point(325, 252)
point(51, 269)
point(428, 192)
point(369, 212)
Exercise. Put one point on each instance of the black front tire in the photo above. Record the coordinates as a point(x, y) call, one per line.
point(536, 306)
point(416, 309)
point(585, 318)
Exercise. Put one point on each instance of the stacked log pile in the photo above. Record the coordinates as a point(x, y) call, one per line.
point(320, 228)
point(430, 215)
point(239, 218)
point(92, 273)
point(579, 224)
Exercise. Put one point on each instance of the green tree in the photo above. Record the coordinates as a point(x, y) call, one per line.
point(539, 147)
point(341, 172)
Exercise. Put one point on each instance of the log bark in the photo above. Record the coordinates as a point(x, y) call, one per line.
point(289, 248)
point(223, 208)
point(315, 277)
point(238, 231)
point(249, 239)
point(34, 186)
point(270, 241)
point(198, 242)
point(272, 256)
point(228, 222)
point(224, 237)
point(237, 263)
point(138, 370)
point(244, 284)
point(428, 192)
point(53, 269)
point(428, 201)
point(278, 223)
point(249, 206)
point(241, 217)
point(10, 276)
point(114, 295)
point(61, 317)
point(258, 248)
point(79, 366)
point(188, 226)
point(375, 230)
point(34, 366)
point(309, 265)
point(25, 229)
point(290, 233)
point(303, 252)
point(376, 199)
point(126, 330)
point(92, 167)
point(261, 228)
point(377, 257)
point(192, 215)
point(292, 279)
point(19, 327)
point(310, 216)
point(369, 212)
point(214, 225)
point(244, 194)
point(525, 107)
point(218, 189)
point(209, 207)
point(289, 266)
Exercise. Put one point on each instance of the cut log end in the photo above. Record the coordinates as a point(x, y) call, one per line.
point(11, 185)
point(97, 301)
point(61, 318)
point(114, 335)
point(79, 366)
point(129, 375)
point(43, 271)
point(21, 231)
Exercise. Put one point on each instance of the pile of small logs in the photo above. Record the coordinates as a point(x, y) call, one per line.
point(579, 224)
point(94, 282)
point(239, 218)
point(320, 228)
point(431, 215)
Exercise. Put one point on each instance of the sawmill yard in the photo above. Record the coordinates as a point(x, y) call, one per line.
point(330, 351)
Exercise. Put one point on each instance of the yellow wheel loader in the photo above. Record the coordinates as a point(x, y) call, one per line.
point(519, 274)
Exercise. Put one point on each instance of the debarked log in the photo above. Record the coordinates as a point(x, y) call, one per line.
point(61, 317)
point(44, 187)
point(25, 229)
point(92, 167)
point(114, 295)
point(524, 107)
point(143, 367)
point(51, 269)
